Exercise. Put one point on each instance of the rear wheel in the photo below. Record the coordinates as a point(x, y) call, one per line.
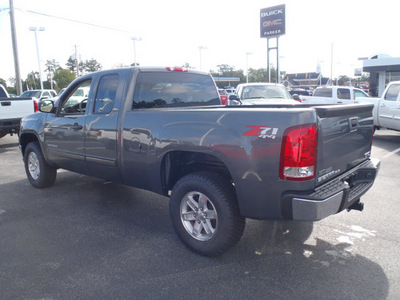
point(39, 173)
point(204, 213)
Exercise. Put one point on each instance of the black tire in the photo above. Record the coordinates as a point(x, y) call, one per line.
point(205, 214)
point(39, 173)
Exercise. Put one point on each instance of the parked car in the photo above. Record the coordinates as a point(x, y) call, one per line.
point(387, 108)
point(333, 95)
point(223, 95)
point(300, 92)
point(164, 130)
point(39, 94)
point(230, 91)
point(12, 110)
point(261, 94)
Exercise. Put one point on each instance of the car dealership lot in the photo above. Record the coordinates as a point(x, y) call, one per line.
point(85, 238)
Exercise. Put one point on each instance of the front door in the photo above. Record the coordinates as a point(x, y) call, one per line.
point(101, 123)
point(64, 132)
point(389, 108)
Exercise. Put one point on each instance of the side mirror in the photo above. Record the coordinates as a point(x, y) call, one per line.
point(46, 106)
point(234, 97)
point(296, 97)
point(234, 100)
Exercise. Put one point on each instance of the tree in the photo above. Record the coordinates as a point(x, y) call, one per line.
point(343, 79)
point(71, 64)
point(91, 66)
point(32, 81)
point(63, 77)
point(225, 70)
point(3, 82)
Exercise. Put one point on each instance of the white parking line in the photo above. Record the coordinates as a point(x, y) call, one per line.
point(391, 153)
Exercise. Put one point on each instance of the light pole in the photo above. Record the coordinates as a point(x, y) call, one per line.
point(247, 66)
point(35, 29)
point(134, 39)
point(201, 48)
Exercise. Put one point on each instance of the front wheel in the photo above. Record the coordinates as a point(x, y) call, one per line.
point(39, 173)
point(204, 213)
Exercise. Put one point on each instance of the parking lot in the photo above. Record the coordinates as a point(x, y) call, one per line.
point(85, 238)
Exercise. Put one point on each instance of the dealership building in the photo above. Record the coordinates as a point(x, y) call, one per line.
point(382, 69)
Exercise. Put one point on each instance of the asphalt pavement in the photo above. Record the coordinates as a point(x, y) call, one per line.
point(85, 238)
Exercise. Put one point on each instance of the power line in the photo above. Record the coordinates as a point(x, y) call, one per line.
point(74, 21)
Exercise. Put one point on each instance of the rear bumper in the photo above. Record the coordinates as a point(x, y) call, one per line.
point(334, 196)
point(10, 125)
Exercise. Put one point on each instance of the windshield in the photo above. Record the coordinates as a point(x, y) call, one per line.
point(264, 92)
point(30, 94)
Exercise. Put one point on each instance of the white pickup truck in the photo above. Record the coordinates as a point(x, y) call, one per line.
point(334, 95)
point(12, 110)
point(386, 109)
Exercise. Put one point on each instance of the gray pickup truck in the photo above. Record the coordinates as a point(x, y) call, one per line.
point(164, 130)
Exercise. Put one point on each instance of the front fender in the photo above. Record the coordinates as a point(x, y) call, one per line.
point(32, 129)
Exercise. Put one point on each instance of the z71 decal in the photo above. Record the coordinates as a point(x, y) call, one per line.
point(264, 132)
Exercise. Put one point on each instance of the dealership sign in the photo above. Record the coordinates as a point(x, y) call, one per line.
point(272, 21)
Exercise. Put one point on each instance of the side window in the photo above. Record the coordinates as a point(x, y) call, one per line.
point(76, 102)
point(343, 94)
point(392, 93)
point(46, 94)
point(106, 92)
point(359, 94)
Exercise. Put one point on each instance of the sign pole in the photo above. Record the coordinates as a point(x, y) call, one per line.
point(268, 62)
point(278, 77)
point(273, 25)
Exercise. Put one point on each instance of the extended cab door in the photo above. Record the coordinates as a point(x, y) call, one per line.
point(64, 132)
point(101, 138)
point(389, 108)
point(344, 96)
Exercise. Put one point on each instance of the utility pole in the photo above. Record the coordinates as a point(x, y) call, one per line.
point(18, 82)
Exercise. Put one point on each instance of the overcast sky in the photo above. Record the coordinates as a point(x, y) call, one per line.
point(173, 30)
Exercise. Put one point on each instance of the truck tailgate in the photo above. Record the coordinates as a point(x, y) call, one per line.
point(344, 139)
point(13, 108)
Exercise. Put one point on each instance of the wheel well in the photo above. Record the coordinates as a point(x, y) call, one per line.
point(177, 164)
point(25, 139)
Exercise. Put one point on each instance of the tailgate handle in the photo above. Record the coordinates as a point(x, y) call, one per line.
point(353, 123)
point(6, 103)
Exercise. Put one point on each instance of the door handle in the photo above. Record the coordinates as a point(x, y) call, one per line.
point(76, 127)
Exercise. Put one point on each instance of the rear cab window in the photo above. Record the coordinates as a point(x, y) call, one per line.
point(393, 92)
point(175, 89)
point(323, 93)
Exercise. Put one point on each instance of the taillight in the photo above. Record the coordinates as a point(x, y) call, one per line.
point(299, 153)
point(35, 106)
point(177, 69)
point(224, 99)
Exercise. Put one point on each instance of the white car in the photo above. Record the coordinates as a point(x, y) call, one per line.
point(262, 93)
point(39, 94)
